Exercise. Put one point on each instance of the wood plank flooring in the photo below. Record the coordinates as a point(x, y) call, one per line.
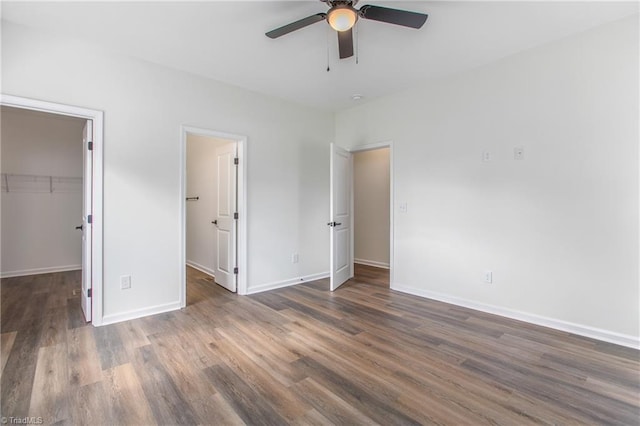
point(301, 355)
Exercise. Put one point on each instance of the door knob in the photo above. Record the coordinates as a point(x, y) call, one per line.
point(79, 227)
point(332, 224)
point(215, 222)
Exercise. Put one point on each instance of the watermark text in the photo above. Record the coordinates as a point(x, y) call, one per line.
point(22, 420)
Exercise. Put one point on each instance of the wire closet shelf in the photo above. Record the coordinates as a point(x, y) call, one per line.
point(23, 183)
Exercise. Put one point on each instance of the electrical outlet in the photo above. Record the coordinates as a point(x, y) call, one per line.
point(294, 258)
point(486, 156)
point(488, 277)
point(125, 282)
point(403, 207)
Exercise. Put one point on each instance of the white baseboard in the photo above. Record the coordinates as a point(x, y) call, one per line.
point(200, 268)
point(37, 271)
point(374, 263)
point(139, 313)
point(286, 283)
point(582, 330)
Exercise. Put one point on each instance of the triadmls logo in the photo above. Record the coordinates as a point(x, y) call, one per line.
point(22, 420)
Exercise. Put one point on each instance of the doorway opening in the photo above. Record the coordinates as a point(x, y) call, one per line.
point(371, 215)
point(52, 195)
point(343, 255)
point(213, 210)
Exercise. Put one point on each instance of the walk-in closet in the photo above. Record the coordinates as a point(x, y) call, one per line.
point(42, 190)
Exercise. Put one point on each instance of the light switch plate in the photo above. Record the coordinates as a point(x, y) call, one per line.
point(518, 153)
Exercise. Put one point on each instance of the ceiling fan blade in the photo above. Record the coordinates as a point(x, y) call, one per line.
point(345, 43)
point(393, 16)
point(278, 32)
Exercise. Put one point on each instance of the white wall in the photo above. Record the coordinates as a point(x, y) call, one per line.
point(371, 207)
point(38, 228)
point(202, 171)
point(144, 106)
point(558, 229)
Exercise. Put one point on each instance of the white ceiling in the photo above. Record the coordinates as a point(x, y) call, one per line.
point(225, 40)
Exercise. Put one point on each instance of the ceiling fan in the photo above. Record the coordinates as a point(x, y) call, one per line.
point(342, 16)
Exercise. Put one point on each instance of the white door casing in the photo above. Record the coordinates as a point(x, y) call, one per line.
point(369, 147)
point(226, 223)
point(95, 182)
point(87, 228)
point(340, 223)
point(240, 142)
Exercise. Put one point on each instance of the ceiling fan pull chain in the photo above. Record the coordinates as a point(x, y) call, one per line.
point(357, 44)
point(328, 60)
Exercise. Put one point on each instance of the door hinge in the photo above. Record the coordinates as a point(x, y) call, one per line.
point(235, 270)
point(90, 218)
point(235, 215)
point(236, 161)
point(89, 292)
point(90, 146)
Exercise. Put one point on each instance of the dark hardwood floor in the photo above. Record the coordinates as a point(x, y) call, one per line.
point(301, 355)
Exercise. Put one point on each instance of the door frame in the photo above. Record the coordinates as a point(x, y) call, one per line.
point(373, 147)
point(241, 247)
point(96, 180)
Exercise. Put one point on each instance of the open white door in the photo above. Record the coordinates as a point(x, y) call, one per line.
point(340, 223)
point(87, 229)
point(226, 219)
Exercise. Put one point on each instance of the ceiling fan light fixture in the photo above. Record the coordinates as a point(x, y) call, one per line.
point(342, 17)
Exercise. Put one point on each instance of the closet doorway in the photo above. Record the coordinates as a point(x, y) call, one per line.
point(213, 214)
point(51, 194)
point(361, 214)
point(372, 214)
